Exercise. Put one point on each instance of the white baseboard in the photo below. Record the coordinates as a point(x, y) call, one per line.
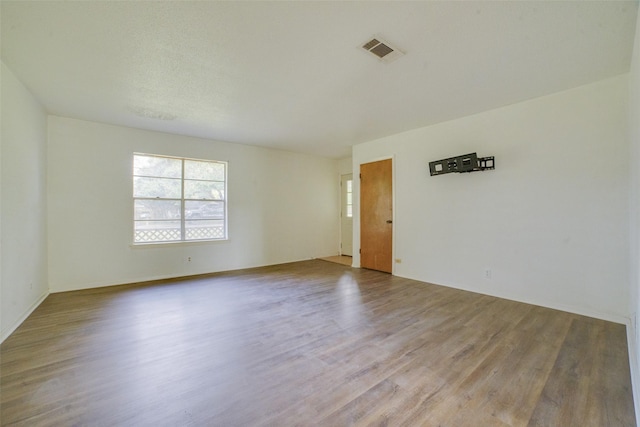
point(54, 289)
point(9, 331)
point(582, 311)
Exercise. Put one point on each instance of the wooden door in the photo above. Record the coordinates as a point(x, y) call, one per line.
point(346, 215)
point(376, 215)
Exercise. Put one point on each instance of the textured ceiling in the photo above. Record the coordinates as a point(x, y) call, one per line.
point(291, 75)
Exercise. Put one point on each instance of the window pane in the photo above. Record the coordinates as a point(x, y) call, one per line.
point(178, 199)
point(211, 171)
point(150, 210)
point(156, 231)
point(166, 188)
point(157, 166)
point(349, 198)
point(204, 210)
point(204, 229)
point(208, 190)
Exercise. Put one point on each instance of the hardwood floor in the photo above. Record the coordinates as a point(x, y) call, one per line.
point(309, 343)
point(340, 259)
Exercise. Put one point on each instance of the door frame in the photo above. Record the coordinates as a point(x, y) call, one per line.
point(356, 210)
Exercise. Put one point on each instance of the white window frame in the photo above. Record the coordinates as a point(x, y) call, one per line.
point(349, 192)
point(182, 200)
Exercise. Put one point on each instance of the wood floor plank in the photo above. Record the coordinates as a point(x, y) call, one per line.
point(587, 388)
point(309, 343)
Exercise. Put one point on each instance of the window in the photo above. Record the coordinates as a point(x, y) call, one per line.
point(176, 199)
point(349, 199)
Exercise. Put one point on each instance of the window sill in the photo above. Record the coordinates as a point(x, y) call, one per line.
point(147, 245)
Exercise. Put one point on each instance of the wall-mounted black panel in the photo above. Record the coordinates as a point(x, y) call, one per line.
point(465, 163)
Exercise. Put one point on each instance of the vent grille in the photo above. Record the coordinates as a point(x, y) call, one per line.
point(383, 50)
point(371, 44)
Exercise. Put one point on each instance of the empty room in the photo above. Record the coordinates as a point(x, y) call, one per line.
point(319, 213)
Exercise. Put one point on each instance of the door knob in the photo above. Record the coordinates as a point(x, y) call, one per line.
point(389, 221)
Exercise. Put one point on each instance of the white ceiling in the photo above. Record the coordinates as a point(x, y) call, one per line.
point(291, 75)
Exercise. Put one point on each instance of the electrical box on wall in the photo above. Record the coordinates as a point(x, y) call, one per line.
point(465, 163)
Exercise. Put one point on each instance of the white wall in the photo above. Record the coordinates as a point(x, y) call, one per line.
point(551, 222)
point(345, 165)
point(23, 271)
point(634, 136)
point(281, 206)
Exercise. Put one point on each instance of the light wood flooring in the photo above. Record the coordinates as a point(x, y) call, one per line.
point(309, 344)
point(339, 259)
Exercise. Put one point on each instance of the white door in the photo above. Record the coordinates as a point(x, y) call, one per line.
point(346, 215)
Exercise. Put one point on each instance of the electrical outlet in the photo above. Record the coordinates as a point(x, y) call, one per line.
point(189, 259)
point(487, 273)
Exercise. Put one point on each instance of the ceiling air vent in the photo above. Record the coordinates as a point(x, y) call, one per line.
point(383, 50)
